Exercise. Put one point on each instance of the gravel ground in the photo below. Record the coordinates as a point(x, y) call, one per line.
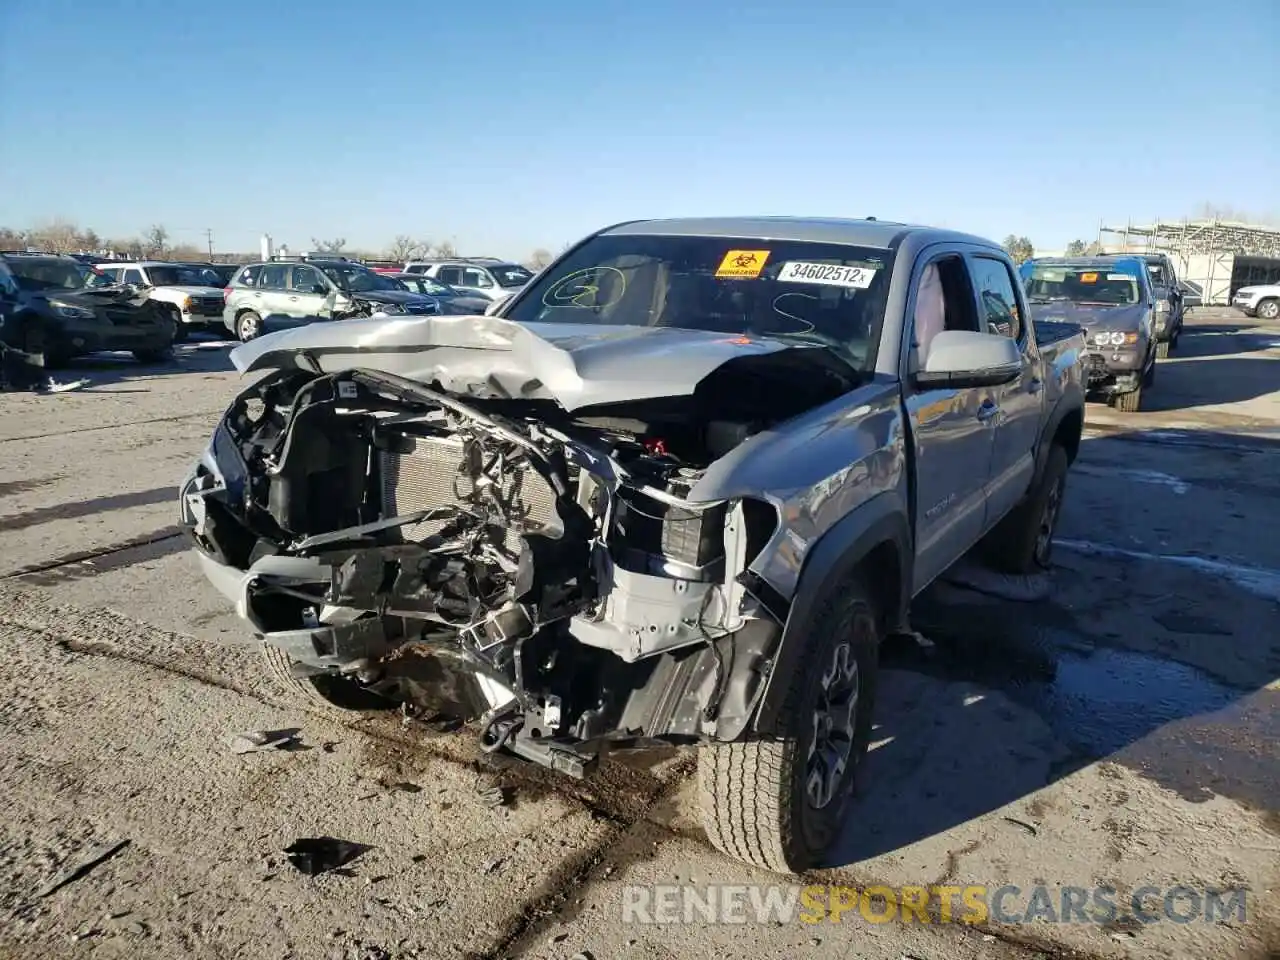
point(1122, 732)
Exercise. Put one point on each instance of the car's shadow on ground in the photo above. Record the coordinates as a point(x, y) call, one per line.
point(121, 372)
point(1211, 381)
point(1013, 696)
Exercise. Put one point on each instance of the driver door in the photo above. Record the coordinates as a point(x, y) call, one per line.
point(952, 429)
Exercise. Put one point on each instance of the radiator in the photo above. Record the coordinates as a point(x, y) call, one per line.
point(425, 473)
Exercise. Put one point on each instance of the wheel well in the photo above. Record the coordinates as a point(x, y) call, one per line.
point(1068, 433)
point(881, 570)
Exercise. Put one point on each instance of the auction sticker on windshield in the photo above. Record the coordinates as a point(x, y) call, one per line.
point(742, 263)
point(830, 274)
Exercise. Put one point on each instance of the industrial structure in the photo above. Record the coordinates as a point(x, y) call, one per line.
point(1213, 257)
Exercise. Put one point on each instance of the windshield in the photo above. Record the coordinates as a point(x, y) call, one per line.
point(354, 278)
point(820, 293)
point(511, 276)
point(1081, 284)
point(47, 273)
point(165, 276)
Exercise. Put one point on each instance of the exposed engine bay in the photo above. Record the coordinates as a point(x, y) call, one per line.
point(544, 573)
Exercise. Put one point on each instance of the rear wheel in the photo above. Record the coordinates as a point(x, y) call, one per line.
point(323, 692)
point(1022, 543)
point(248, 326)
point(780, 804)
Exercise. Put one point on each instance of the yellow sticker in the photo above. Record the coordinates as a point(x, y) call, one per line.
point(742, 263)
point(1088, 278)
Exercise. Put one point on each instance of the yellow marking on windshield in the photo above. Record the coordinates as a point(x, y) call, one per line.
point(742, 263)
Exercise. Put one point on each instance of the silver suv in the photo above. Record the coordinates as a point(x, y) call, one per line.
point(284, 293)
point(486, 276)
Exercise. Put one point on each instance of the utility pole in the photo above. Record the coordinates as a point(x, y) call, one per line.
point(208, 232)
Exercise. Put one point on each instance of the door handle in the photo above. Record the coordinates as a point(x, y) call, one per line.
point(1035, 386)
point(987, 411)
point(294, 299)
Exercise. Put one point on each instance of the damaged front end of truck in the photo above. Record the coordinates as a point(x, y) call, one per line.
point(499, 527)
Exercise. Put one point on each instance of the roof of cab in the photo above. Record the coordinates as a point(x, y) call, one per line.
point(862, 233)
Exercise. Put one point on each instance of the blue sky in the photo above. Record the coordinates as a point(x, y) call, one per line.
point(510, 126)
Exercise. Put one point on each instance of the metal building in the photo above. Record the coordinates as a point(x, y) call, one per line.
point(1214, 257)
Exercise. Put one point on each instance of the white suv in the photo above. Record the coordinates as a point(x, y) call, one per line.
point(193, 298)
point(1260, 300)
point(484, 276)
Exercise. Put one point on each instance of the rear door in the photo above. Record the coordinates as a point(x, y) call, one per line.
point(952, 429)
point(1019, 403)
point(273, 291)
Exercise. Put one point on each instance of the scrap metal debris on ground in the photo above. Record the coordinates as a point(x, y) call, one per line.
point(258, 741)
point(316, 855)
point(81, 869)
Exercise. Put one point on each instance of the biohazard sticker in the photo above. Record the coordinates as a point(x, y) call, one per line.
point(1088, 278)
point(742, 263)
point(828, 274)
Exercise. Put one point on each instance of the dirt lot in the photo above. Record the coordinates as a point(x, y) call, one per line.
point(1125, 732)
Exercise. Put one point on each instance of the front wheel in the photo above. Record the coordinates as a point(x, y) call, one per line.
point(1130, 402)
point(154, 355)
point(1268, 309)
point(780, 804)
point(322, 692)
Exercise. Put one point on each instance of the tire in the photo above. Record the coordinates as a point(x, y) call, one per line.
point(1130, 402)
point(1268, 309)
point(154, 355)
point(1022, 543)
point(248, 326)
point(754, 795)
point(319, 693)
point(1163, 349)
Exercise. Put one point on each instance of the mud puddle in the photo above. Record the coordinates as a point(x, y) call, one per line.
point(1097, 698)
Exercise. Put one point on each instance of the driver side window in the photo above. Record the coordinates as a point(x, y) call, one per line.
point(943, 301)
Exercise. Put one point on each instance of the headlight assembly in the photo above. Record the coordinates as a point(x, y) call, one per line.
point(1114, 338)
point(70, 310)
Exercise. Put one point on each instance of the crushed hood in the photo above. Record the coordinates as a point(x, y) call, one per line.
point(576, 365)
point(1092, 316)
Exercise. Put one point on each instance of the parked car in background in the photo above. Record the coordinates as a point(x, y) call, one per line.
point(1261, 301)
point(383, 266)
point(219, 274)
point(76, 318)
point(1111, 297)
point(452, 300)
point(281, 293)
point(680, 490)
point(1170, 304)
point(192, 296)
point(488, 277)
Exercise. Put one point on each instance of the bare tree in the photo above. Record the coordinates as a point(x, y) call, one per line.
point(89, 240)
point(189, 252)
point(1076, 248)
point(404, 247)
point(1093, 249)
point(1019, 248)
point(445, 249)
point(539, 259)
point(328, 246)
point(12, 239)
point(155, 240)
point(60, 236)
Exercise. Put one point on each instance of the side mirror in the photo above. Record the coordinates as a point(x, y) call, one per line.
point(319, 288)
point(963, 358)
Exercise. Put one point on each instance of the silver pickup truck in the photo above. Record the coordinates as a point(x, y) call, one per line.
point(678, 489)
